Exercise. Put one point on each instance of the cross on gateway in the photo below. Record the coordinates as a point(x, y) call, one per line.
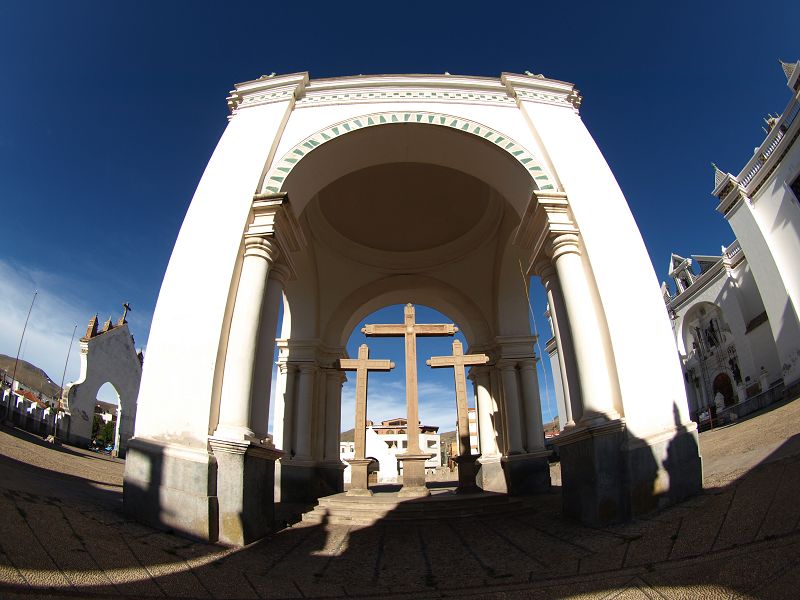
point(410, 329)
point(458, 361)
point(362, 365)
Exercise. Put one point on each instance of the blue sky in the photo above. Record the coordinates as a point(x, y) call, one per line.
point(111, 111)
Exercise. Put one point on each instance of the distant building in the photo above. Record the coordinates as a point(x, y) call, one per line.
point(388, 439)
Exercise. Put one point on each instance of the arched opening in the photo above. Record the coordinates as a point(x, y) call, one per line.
point(386, 399)
point(408, 213)
point(724, 387)
point(106, 417)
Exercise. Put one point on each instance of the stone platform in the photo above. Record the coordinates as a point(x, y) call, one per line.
point(342, 509)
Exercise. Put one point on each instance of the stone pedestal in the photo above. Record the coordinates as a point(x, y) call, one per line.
point(527, 473)
point(490, 476)
point(592, 468)
point(609, 476)
point(467, 473)
point(413, 475)
point(359, 477)
point(297, 480)
point(245, 486)
point(172, 487)
point(330, 474)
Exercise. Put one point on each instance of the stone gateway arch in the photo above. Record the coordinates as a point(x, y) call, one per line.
point(332, 198)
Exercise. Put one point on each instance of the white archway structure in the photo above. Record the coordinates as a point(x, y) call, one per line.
point(344, 195)
point(108, 355)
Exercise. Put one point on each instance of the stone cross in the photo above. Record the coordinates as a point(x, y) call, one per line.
point(458, 361)
point(467, 472)
point(413, 459)
point(410, 329)
point(362, 365)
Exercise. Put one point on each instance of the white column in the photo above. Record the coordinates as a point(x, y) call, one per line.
point(483, 398)
point(333, 413)
point(592, 363)
point(533, 406)
point(302, 423)
point(283, 427)
point(237, 382)
point(262, 379)
point(508, 373)
point(566, 353)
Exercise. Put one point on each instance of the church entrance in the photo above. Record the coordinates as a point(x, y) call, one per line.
point(722, 385)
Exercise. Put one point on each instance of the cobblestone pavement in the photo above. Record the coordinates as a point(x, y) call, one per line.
point(63, 535)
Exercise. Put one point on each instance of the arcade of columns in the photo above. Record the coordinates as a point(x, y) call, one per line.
point(507, 388)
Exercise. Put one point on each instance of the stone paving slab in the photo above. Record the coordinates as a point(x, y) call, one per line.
point(63, 535)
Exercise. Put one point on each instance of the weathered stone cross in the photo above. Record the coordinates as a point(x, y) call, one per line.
point(465, 460)
point(358, 465)
point(413, 459)
point(458, 361)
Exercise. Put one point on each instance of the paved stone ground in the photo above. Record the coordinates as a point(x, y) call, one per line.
point(63, 535)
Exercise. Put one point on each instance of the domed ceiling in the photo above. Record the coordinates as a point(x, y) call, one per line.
point(404, 207)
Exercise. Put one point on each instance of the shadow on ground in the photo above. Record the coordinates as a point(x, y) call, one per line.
point(738, 539)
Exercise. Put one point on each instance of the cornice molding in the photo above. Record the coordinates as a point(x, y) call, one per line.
point(266, 90)
point(507, 90)
point(535, 88)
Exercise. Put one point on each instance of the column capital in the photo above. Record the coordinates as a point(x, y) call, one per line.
point(547, 215)
point(286, 367)
point(272, 218)
point(280, 272)
point(506, 364)
point(566, 243)
point(528, 364)
point(544, 269)
point(261, 247)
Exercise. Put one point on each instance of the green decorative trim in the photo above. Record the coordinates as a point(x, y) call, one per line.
point(278, 174)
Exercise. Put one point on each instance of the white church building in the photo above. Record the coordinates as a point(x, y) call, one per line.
point(736, 317)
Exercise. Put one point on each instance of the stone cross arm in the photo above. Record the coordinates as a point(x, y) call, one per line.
point(459, 359)
point(420, 329)
point(373, 364)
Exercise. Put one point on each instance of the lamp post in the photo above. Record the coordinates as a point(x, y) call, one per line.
point(19, 349)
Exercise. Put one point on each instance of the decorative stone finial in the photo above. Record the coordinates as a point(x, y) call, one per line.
point(537, 75)
point(788, 69)
point(91, 330)
point(719, 176)
point(107, 326)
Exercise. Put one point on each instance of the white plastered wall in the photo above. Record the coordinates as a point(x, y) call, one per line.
point(638, 325)
point(188, 322)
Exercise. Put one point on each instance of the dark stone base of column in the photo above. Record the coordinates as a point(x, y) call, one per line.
point(527, 473)
point(245, 490)
point(359, 478)
point(663, 469)
point(467, 473)
point(172, 487)
point(297, 481)
point(490, 476)
point(413, 475)
point(330, 475)
point(608, 476)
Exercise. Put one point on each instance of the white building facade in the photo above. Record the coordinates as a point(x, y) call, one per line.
point(762, 205)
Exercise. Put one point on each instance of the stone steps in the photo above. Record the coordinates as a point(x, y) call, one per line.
point(360, 510)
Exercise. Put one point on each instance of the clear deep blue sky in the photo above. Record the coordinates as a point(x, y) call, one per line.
point(111, 111)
